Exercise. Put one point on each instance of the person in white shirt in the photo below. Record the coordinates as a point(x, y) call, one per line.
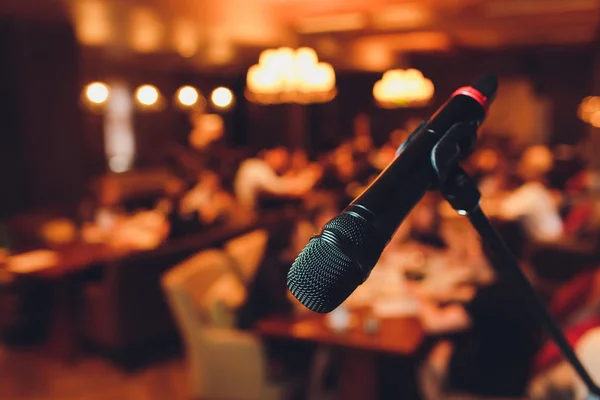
point(533, 202)
point(257, 176)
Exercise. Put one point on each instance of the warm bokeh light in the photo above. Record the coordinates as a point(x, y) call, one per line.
point(221, 97)
point(92, 22)
point(371, 55)
point(187, 96)
point(403, 88)
point(286, 75)
point(146, 30)
point(589, 110)
point(185, 38)
point(97, 92)
point(147, 95)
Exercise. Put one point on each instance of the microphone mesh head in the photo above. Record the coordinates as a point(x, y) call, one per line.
point(324, 275)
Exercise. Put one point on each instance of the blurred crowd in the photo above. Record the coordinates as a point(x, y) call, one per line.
point(550, 191)
point(538, 195)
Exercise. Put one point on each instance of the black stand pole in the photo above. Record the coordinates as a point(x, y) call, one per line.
point(462, 193)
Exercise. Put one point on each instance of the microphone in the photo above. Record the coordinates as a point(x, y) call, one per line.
point(340, 258)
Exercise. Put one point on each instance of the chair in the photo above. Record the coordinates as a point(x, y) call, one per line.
point(588, 351)
point(223, 363)
point(563, 379)
point(248, 251)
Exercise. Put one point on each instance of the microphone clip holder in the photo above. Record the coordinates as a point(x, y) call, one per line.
point(462, 193)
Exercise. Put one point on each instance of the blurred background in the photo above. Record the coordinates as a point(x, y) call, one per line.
point(162, 163)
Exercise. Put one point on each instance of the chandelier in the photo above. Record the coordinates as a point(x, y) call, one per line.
point(285, 75)
point(403, 88)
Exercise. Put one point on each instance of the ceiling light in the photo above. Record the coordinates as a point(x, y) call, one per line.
point(97, 92)
point(221, 97)
point(147, 95)
point(187, 96)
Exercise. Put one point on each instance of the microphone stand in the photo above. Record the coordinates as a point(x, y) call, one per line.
point(462, 193)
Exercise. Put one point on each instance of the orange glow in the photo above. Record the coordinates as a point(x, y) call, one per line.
point(589, 110)
point(92, 22)
point(185, 38)
point(147, 30)
point(372, 56)
point(403, 16)
point(414, 41)
point(333, 23)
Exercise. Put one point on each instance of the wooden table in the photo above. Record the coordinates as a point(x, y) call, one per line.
point(77, 259)
point(360, 350)
point(80, 256)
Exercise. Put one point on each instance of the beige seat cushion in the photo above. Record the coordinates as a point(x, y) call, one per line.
point(222, 300)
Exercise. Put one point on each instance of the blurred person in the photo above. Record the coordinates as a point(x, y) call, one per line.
point(300, 164)
point(103, 214)
point(341, 174)
point(262, 177)
point(321, 208)
point(362, 148)
point(169, 202)
point(491, 172)
point(397, 138)
point(383, 157)
point(207, 129)
point(425, 222)
point(362, 141)
point(488, 342)
point(576, 308)
point(299, 161)
point(568, 163)
point(533, 202)
point(104, 210)
point(582, 211)
point(208, 202)
point(386, 154)
point(169, 206)
point(485, 161)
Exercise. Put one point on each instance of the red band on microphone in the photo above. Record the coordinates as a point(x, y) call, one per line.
point(474, 94)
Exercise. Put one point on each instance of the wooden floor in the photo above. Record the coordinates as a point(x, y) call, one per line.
point(28, 375)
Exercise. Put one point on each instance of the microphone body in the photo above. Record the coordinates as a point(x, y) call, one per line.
point(341, 257)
